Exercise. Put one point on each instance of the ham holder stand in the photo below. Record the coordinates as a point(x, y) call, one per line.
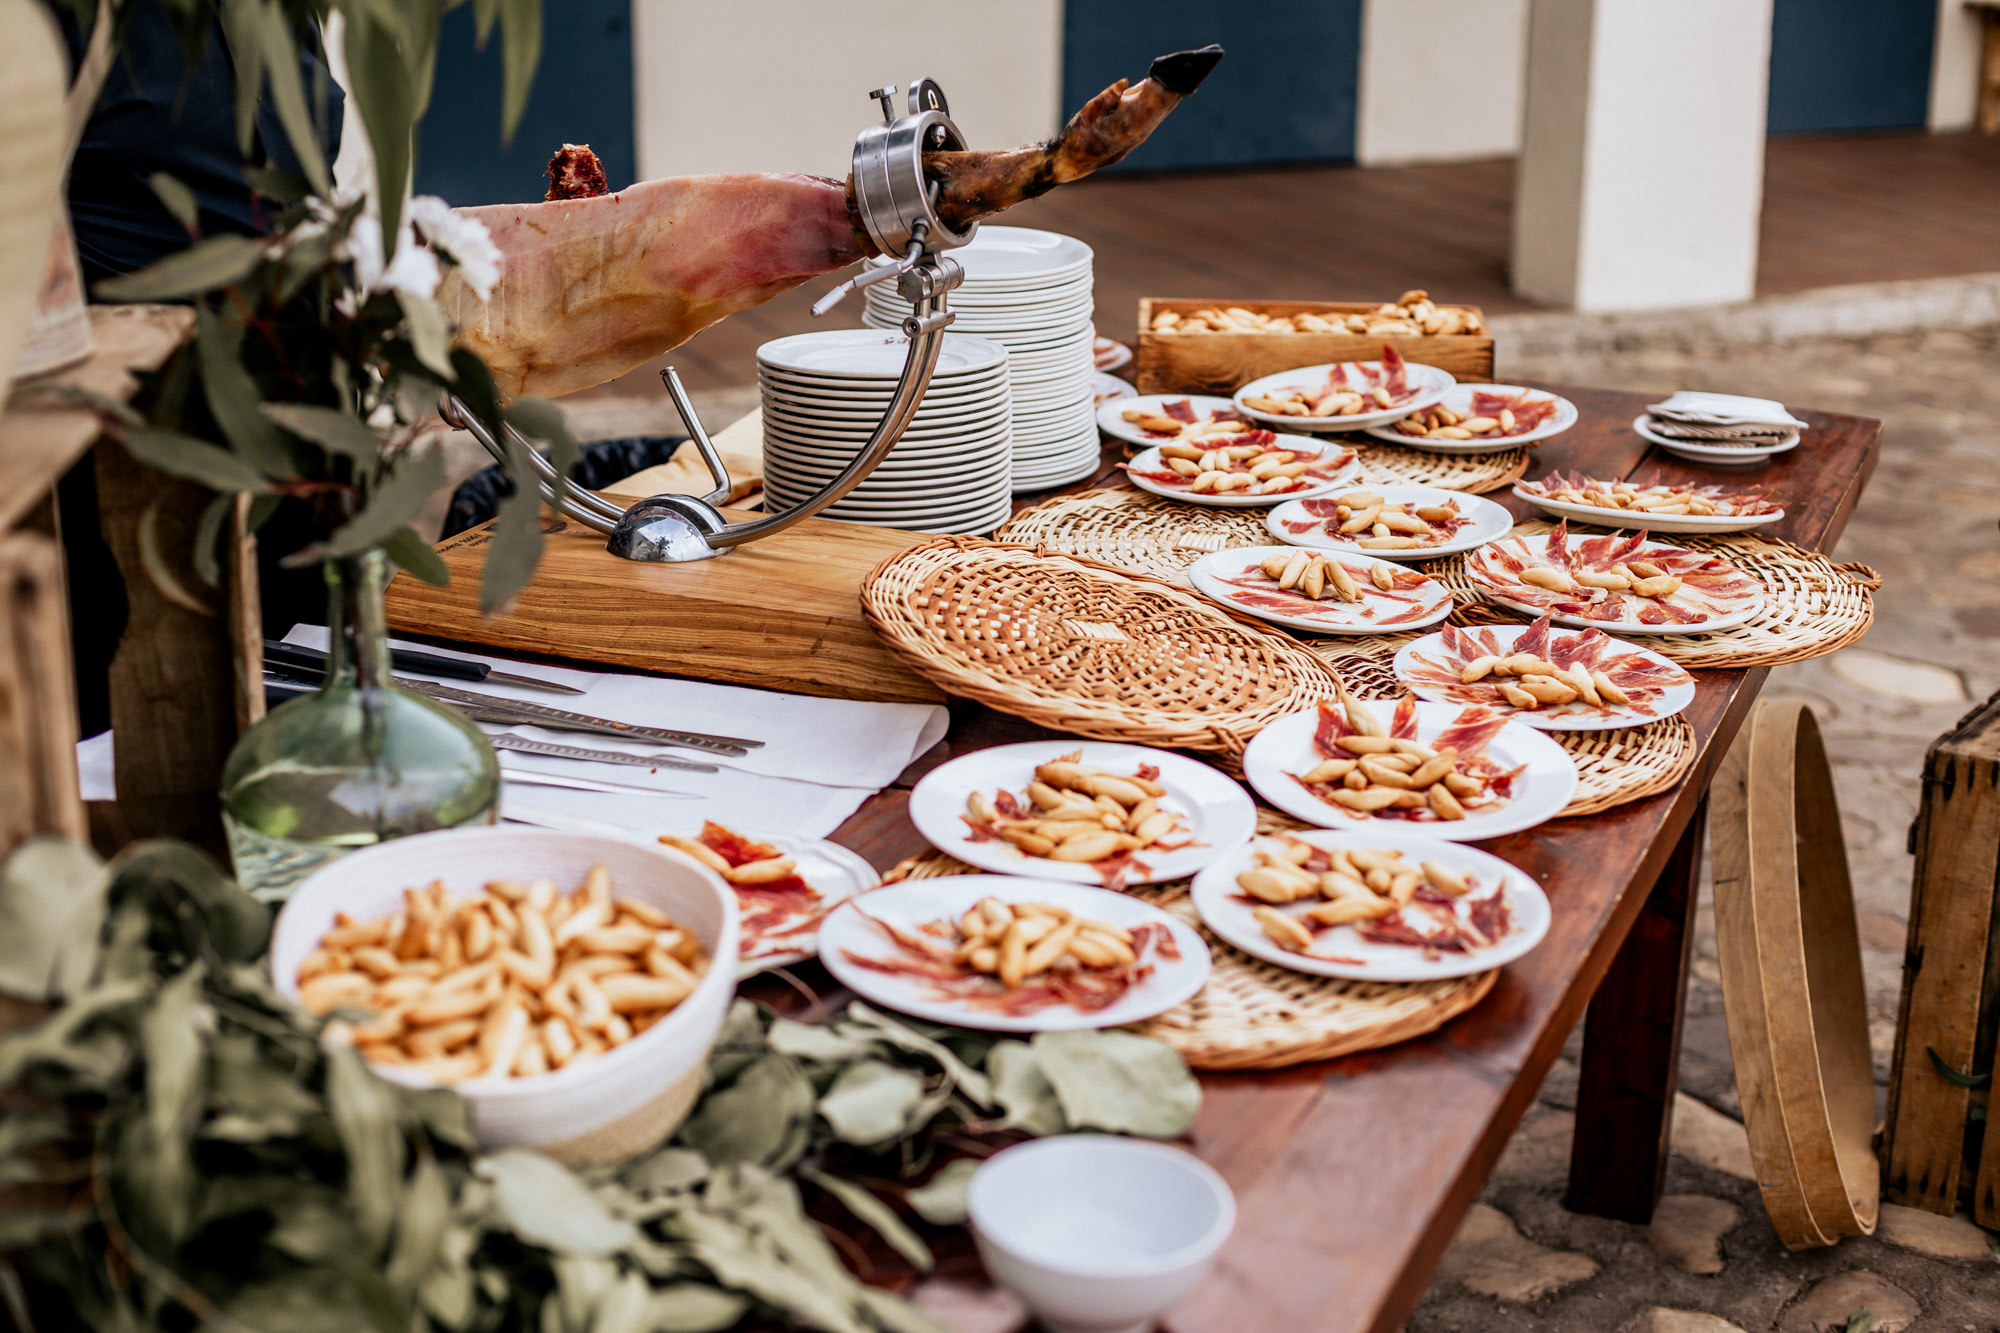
point(898, 209)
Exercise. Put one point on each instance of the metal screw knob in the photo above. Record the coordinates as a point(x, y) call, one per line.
point(887, 97)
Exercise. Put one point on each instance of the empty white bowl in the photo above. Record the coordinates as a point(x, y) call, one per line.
point(1096, 1233)
point(627, 1100)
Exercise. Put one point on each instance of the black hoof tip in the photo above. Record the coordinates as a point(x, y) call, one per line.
point(1182, 72)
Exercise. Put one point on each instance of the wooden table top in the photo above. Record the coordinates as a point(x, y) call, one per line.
point(1352, 1175)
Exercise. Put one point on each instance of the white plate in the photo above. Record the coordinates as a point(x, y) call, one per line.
point(1215, 812)
point(870, 354)
point(1209, 576)
point(1111, 416)
point(1224, 909)
point(1109, 388)
point(1460, 400)
point(1430, 385)
point(1489, 520)
point(878, 394)
point(956, 435)
point(915, 902)
point(1627, 518)
point(1110, 354)
point(1015, 255)
point(1575, 716)
point(1719, 455)
point(1149, 460)
point(1481, 562)
point(1538, 795)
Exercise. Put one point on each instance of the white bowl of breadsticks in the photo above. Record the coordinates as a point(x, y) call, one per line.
point(562, 983)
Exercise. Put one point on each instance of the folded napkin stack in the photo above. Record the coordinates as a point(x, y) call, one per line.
point(1723, 418)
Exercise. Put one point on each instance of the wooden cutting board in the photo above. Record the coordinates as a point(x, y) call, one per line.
point(782, 614)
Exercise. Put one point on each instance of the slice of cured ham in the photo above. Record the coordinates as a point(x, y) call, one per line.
point(592, 287)
point(1700, 588)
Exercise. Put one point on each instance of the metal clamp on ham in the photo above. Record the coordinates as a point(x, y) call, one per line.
point(899, 213)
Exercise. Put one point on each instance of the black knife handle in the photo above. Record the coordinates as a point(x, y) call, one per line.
point(406, 659)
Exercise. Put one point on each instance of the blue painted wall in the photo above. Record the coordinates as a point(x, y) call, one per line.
point(582, 94)
point(1850, 64)
point(1284, 93)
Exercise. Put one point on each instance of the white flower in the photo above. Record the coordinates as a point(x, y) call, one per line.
point(463, 240)
point(414, 268)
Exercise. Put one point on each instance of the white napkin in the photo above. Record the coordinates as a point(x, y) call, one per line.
point(821, 759)
point(1724, 409)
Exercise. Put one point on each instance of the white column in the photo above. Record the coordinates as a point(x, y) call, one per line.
point(782, 85)
point(1955, 67)
point(1642, 155)
point(1440, 80)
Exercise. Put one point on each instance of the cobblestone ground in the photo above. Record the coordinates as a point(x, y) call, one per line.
point(1710, 1263)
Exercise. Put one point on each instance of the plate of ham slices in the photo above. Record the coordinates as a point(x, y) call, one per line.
point(1257, 467)
point(1162, 418)
point(1480, 418)
point(1391, 522)
point(784, 884)
point(1622, 582)
point(1456, 772)
point(1343, 395)
point(1321, 591)
point(1555, 679)
point(1435, 909)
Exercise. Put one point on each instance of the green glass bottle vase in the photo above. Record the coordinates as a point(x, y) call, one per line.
point(358, 762)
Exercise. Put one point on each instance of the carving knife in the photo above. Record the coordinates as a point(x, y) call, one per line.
point(409, 659)
point(516, 712)
point(523, 745)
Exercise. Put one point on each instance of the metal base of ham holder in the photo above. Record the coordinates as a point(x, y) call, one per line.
point(898, 210)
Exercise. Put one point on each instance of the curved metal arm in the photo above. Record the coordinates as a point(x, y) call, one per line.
point(586, 507)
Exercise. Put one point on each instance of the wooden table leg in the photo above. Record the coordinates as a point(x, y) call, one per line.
point(1632, 1048)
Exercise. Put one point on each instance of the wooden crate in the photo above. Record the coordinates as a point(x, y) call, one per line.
point(1951, 980)
point(1223, 362)
point(783, 613)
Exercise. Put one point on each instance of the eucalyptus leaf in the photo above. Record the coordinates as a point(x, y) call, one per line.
point(1026, 1097)
point(288, 94)
point(66, 1039)
point(541, 1202)
point(871, 1102)
point(819, 1041)
point(52, 901)
point(582, 1283)
point(752, 1119)
point(970, 1081)
point(430, 331)
point(176, 198)
point(421, 1220)
point(385, 96)
point(233, 398)
point(521, 51)
point(893, 1314)
point(667, 1169)
point(624, 1308)
point(755, 1260)
point(240, 24)
point(330, 428)
point(170, 1033)
point(305, 1300)
point(1118, 1081)
point(314, 1226)
point(417, 557)
point(219, 261)
point(857, 1199)
point(364, 1115)
point(689, 1307)
point(393, 504)
point(206, 555)
point(197, 460)
point(941, 1199)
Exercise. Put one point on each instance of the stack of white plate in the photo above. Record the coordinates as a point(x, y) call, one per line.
point(823, 394)
point(1030, 292)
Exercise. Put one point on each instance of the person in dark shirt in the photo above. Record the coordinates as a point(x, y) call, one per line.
point(159, 111)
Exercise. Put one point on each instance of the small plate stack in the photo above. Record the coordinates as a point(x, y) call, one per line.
point(1721, 428)
point(1029, 291)
point(823, 394)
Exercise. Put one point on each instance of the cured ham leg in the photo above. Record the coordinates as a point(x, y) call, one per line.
point(593, 287)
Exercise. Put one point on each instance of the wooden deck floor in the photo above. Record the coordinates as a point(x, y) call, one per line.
point(1837, 209)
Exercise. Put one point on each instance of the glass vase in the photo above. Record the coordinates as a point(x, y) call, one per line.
point(359, 761)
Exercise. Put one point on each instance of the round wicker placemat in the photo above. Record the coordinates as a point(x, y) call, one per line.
point(1812, 606)
point(1612, 767)
point(1253, 1015)
point(1087, 648)
point(1135, 530)
point(1475, 474)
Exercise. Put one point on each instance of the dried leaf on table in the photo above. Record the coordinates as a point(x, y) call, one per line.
point(818, 1041)
point(1118, 1081)
point(757, 1118)
point(871, 1102)
point(903, 1033)
point(364, 1115)
point(1027, 1098)
point(51, 911)
point(545, 1204)
point(941, 1199)
point(857, 1199)
point(690, 1307)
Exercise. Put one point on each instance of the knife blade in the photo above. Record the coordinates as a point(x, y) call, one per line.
point(515, 712)
point(527, 778)
point(522, 745)
point(410, 659)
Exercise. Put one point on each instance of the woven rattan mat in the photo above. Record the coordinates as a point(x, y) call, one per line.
point(1254, 1015)
point(1135, 530)
point(1612, 767)
point(1812, 606)
point(1086, 648)
point(1392, 465)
